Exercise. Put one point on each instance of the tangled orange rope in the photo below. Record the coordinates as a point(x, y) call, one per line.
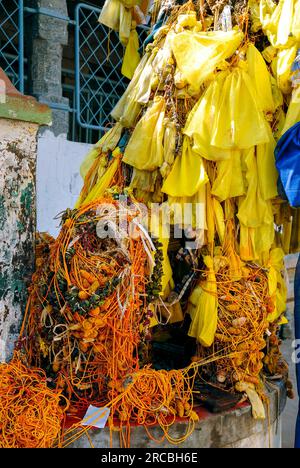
point(148, 398)
point(31, 414)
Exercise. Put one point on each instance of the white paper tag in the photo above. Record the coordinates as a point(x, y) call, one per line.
point(96, 417)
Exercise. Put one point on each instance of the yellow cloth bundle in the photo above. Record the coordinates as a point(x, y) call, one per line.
point(131, 57)
point(285, 60)
point(102, 182)
point(254, 211)
point(110, 14)
point(198, 54)
point(189, 211)
point(266, 169)
point(261, 79)
point(188, 173)
point(137, 93)
point(239, 121)
point(201, 119)
point(169, 147)
point(203, 308)
point(229, 182)
point(228, 116)
point(145, 147)
point(107, 143)
point(278, 20)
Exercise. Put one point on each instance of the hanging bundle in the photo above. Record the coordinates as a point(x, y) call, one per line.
point(195, 134)
point(145, 148)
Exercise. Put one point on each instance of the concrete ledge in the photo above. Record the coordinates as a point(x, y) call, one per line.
point(232, 429)
point(15, 106)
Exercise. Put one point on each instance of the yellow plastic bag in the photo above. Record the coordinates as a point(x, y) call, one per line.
point(229, 182)
point(189, 211)
point(110, 14)
point(255, 15)
point(188, 20)
point(198, 54)
point(143, 88)
point(296, 21)
point(125, 24)
point(131, 57)
point(285, 60)
point(128, 108)
point(239, 121)
point(111, 138)
point(169, 147)
point(269, 53)
point(258, 409)
point(103, 183)
point(145, 147)
point(89, 161)
point(163, 56)
point(260, 76)
point(201, 120)
point(285, 24)
point(107, 143)
point(254, 211)
point(188, 173)
point(255, 243)
point(266, 169)
point(277, 21)
point(130, 3)
point(204, 308)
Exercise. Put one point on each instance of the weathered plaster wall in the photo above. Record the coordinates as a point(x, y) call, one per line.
point(17, 225)
point(58, 180)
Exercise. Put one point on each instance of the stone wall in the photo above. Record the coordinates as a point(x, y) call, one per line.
point(49, 36)
point(17, 225)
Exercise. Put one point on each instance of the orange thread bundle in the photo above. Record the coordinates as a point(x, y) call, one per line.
point(31, 414)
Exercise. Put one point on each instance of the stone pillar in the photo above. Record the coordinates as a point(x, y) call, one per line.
point(49, 35)
point(20, 118)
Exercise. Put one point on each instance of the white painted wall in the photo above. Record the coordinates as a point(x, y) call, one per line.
point(58, 180)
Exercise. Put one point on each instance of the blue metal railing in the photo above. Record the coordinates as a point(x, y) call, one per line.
point(96, 84)
point(12, 41)
point(98, 62)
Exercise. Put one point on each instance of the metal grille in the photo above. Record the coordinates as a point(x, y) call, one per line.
point(99, 55)
point(12, 41)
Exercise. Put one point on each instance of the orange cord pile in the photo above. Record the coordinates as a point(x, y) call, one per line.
point(148, 398)
point(89, 351)
point(93, 355)
point(31, 414)
point(243, 308)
